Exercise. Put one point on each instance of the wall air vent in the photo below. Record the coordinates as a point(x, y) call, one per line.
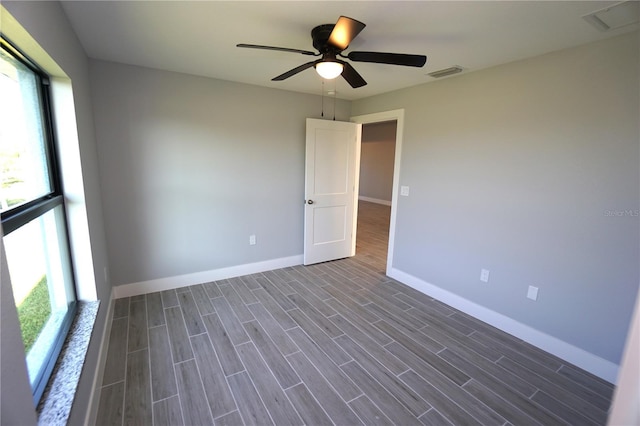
point(445, 72)
point(616, 16)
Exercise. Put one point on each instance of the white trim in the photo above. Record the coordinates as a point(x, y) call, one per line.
point(96, 387)
point(398, 116)
point(144, 287)
point(374, 200)
point(602, 368)
point(625, 408)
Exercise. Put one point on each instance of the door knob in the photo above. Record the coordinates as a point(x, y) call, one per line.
point(309, 201)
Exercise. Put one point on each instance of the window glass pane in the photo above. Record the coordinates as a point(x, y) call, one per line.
point(23, 151)
point(42, 285)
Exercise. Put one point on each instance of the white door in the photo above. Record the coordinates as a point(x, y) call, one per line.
point(331, 188)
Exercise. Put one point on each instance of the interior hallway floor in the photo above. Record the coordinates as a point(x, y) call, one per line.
point(334, 343)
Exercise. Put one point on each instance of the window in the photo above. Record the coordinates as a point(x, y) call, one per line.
point(33, 216)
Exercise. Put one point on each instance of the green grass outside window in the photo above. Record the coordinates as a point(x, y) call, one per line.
point(34, 312)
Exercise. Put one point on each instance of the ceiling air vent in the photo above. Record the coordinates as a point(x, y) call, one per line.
point(445, 72)
point(616, 16)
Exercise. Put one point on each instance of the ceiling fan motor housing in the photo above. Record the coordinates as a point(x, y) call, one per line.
point(320, 36)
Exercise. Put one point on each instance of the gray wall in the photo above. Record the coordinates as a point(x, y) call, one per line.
point(377, 159)
point(524, 169)
point(192, 166)
point(47, 24)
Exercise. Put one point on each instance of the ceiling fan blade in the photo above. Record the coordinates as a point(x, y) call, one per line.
point(280, 49)
point(389, 58)
point(351, 75)
point(295, 71)
point(345, 30)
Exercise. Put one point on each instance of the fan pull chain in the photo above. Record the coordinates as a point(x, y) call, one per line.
point(334, 100)
point(322, 98)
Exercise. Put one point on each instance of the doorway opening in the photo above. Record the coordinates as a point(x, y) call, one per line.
point(380, 249)
point(377, 160)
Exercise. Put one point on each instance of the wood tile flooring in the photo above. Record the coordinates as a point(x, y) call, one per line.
point(335, 343)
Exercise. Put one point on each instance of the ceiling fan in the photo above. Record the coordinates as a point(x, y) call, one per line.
point(330, 41)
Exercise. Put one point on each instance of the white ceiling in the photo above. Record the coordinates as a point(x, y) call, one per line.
point(199, 37)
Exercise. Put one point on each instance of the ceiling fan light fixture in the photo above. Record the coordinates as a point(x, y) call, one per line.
point(329, 69)
point(330, 41)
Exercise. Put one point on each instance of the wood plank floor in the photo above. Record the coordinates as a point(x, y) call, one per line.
point(335, 343)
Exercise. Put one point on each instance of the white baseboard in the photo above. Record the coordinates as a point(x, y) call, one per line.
point(144, 287)
point(374, 200)
point(96, 388)
point(600, 367)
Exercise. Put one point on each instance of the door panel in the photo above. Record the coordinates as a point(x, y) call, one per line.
point(331, 162)
point(329, 224)
point(332, 155)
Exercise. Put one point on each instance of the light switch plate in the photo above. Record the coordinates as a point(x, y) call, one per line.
point(404, 191)
point(532, 293)
point(484, 275)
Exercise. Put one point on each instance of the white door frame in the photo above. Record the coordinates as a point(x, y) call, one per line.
point(398, 116)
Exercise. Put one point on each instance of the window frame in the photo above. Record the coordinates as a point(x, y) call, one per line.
point(16, 217)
